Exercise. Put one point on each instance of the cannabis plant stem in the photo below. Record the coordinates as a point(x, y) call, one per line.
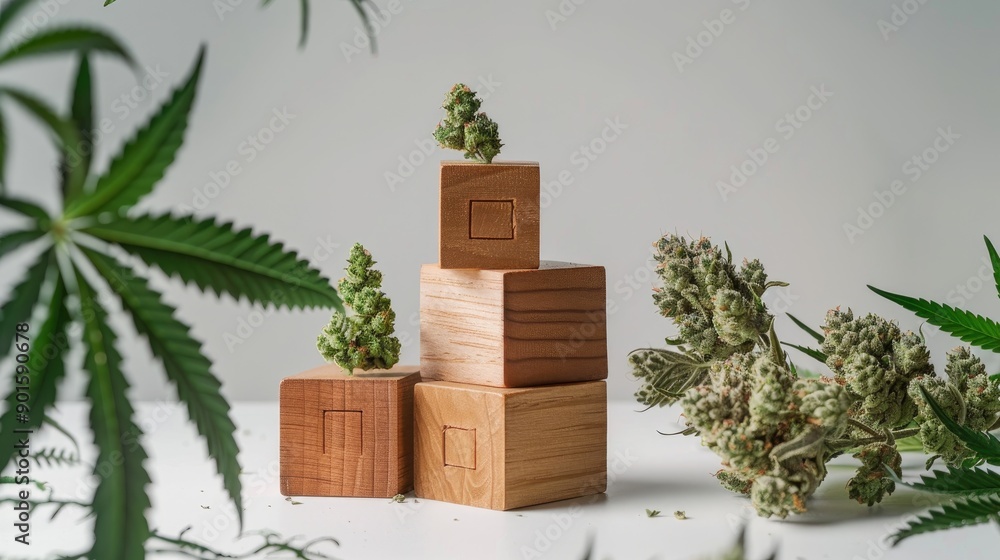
point(863, 427)
point(889, 437)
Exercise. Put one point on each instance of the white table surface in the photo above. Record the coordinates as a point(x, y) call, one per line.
point(647, 470)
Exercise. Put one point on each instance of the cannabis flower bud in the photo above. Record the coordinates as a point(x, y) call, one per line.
point(768, 427)
point(876, 362)
point(968, 397)
point(464, 129)
point(716, 308)
point(364, 340)
point(870, 483)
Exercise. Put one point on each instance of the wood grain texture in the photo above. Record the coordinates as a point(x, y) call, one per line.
point(489, 215)
point(347, 435)
point(514, 328)
point(532, 445)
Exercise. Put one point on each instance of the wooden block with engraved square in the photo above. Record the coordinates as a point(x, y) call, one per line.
point(508, 448)
point(347, 435)
point(489, 215)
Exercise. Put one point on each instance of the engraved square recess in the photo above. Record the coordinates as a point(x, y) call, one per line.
point(342, 432)
point(460, 447)
point(491, 219)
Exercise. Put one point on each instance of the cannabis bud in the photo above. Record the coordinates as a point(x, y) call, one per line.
point(716, 308)
point(876, 362)
point(968, 397)
point(768, 427)
point(363, 340)
point(464, 129)
point(870, 483)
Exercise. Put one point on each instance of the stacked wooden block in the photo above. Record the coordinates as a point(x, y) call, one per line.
point(512, 410)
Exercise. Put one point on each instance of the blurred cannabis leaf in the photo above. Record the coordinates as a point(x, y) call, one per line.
point(83, 251)
point(16, 47)
point(359, 7)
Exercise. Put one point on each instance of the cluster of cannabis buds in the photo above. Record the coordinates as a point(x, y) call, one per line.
point(463, 128)
point(774, 430)
point(365, 339)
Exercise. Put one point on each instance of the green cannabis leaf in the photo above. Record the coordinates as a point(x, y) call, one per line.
point(985, 445)
point(965, 325)
point(79, 41)
point(359, 7)
point(809, 330)
point(958, 481)
point(89, 239)
point(960, 513)
point(811, 352)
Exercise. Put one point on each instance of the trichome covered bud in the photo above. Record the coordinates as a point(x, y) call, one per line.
point(465, 129)
point(968, 397)
point(876, 362)
point(363, 340)
point(871, 483)
point(717, 308)
point(768, 427)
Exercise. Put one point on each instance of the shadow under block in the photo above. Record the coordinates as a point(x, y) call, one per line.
point(489, 215)
point(514, 328)
point(347, 435)
point(508, 448)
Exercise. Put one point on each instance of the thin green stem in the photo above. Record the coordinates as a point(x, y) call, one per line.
point(864, 427)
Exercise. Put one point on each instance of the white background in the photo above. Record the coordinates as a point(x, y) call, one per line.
point(322, 179)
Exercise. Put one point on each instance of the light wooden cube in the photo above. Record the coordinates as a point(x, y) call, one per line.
point(508, 448)
point(347, 435)
point(514, 328)
point(489, 214)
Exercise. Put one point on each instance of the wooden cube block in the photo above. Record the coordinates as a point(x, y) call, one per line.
point(508, 448)
point(513, 328)
point(347, 435)
point(489, 214)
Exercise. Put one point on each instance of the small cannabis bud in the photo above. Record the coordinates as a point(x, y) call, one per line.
point(465, 129)
point(968, 396)
point(870, 483)
point(364, 340)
